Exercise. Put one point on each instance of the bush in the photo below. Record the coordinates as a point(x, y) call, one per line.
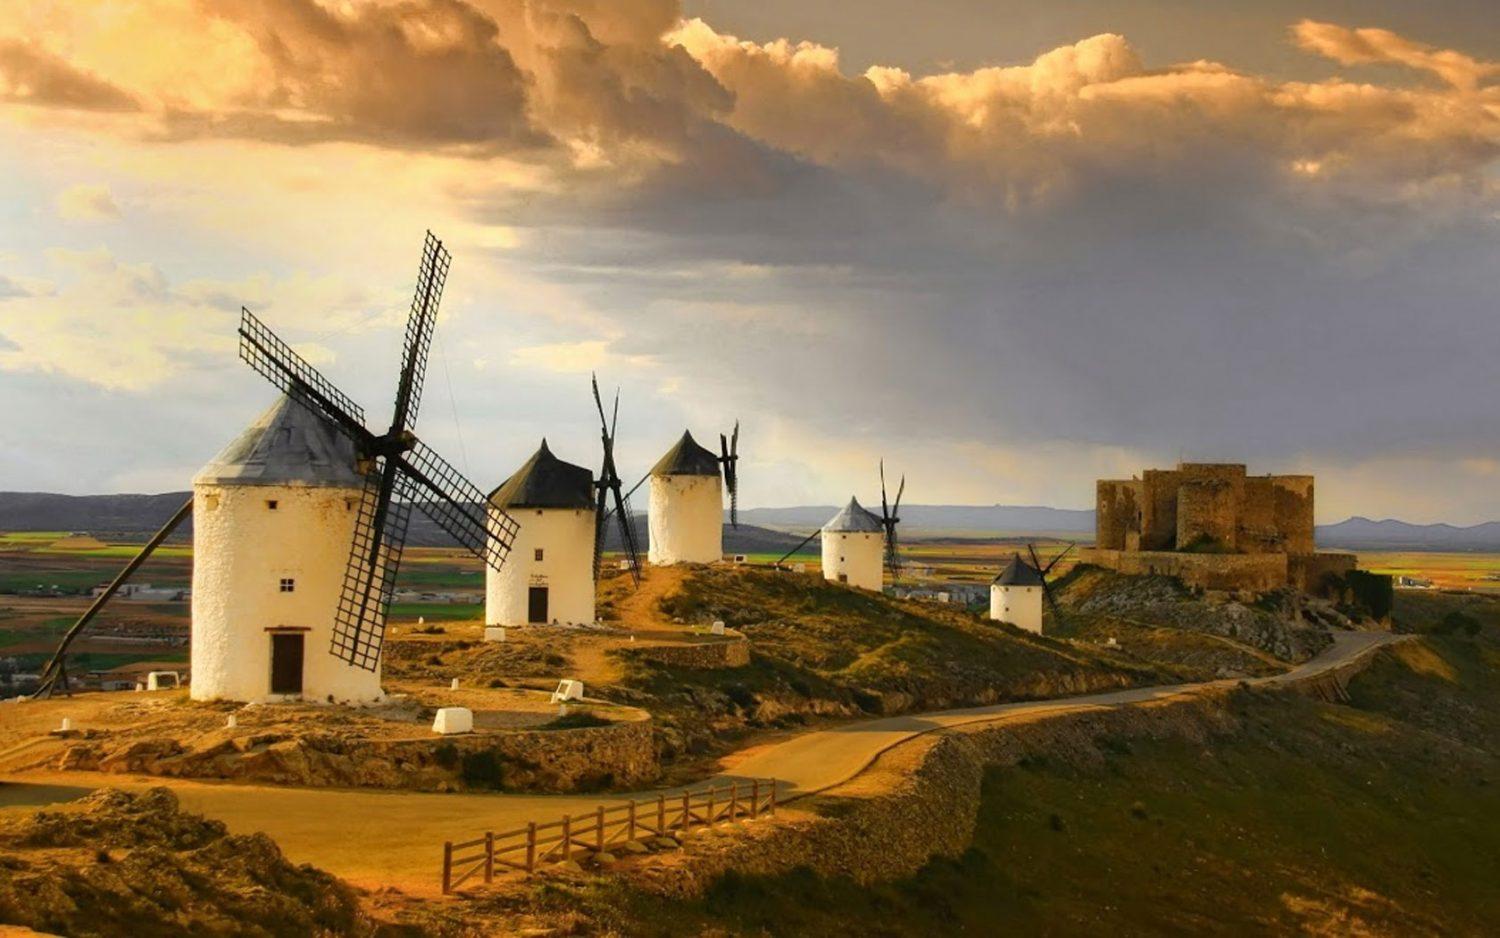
point(446, 755)
point(577, 720)
point(482, 769)
point(1455, 623)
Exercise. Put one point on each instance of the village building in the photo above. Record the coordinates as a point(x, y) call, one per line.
point(549, 576)
point(1213, 526)
point(1016, 596)
point(686, 512)
point(854, 548)
point(273, 519)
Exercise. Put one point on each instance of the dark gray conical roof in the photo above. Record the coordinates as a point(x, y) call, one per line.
point(1018, 573)
point(289, 444)
point(544, 481)
point(687, 458)
point(853, 519)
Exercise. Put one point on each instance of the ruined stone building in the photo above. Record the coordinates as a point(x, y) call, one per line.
point(1213, 526)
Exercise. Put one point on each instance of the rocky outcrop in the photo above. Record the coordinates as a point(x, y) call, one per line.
point(556, 760)
point(117, 863)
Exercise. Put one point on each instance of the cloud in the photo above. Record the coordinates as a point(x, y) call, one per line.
point(87, 203)
point(30, 74)
point(1380, 46)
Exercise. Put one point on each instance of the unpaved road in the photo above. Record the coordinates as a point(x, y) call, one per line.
point(379, 838)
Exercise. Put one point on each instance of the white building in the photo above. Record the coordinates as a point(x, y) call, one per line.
point(686, 517)
point(273, 522)
point(549, 574)
point(1016, 596)
point(854, 548)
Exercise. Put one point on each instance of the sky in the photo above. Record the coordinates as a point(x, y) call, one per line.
point(1008, 247)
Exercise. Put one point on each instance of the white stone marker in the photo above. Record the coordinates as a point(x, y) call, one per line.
point(67, 724)
point(453, 720)
point(454, 685)
point(494, 633)
point(717, 628)
point(231, 722)
point(568, 690)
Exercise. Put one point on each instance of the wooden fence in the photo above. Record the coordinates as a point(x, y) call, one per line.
point(526, 848)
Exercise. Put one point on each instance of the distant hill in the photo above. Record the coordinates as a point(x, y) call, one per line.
point(946, 519)
point(761, 530)
point(1389, 534)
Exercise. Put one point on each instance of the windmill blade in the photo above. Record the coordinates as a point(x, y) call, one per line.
point(1057, 612)
point(374, 560)
point(729, 455)
point(458, 506)
point(264, 351)
point(804, 543)
point(896, 507)
point(432, 274)
point(885, 508)
point(1058, 559)
point(54, 676)
point(628, 541)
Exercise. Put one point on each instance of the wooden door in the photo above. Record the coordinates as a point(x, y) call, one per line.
point(536, 605)
point(286, 662)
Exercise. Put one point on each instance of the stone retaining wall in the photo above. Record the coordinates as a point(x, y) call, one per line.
point(717, 655)
point(622, 754)
point(921, 798)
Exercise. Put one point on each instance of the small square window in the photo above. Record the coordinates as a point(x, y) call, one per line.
point(288, 584)
point(538, 555)
point(271, 504)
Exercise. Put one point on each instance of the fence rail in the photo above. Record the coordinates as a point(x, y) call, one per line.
point(526, 848)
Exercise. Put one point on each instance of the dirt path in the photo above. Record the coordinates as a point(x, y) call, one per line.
point(394, 838)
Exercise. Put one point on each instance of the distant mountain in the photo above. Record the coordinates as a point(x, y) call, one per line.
point(935, 519)
point(761, 530)
point(1364, 534)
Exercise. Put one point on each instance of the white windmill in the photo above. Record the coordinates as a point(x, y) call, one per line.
point(686, 510)
point(854, 548)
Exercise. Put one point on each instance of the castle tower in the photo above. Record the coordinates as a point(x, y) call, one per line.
point(273, 521)
point(854, 548)
point(549, 576)
point(1016, 596)
point(686, 516)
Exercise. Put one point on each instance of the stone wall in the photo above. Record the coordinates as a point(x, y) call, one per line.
point(921, 799)
point(1308, 572)
point(1209, 571)
point(706, 656)
point(562, 760)
point(1207, 514)
point(1294, 512)
point(1159, 509)
point(1116, 512)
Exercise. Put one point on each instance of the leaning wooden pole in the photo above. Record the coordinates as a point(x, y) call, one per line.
point(54, 675)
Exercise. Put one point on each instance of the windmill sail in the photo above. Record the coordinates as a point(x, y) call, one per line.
point(729, 450)
point(889, 518)
point(609, 488)
point(1044, 573)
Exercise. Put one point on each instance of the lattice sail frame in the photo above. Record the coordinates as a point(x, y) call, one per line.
point(401, 472)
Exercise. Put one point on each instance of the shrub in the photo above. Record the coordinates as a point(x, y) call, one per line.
point(482, 769)
point(446, 755)
point(577, 720)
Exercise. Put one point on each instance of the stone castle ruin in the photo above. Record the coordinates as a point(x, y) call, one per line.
point(1213, 526)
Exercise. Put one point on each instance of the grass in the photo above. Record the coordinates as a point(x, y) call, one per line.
point(444, 612)
point(1309, 818)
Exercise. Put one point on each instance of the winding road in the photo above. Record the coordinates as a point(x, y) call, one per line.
point(377, 838)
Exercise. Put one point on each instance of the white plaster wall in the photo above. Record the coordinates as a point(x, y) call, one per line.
point(241, 551)
point(566, 539)
point(686, 518)
point(1021, 606)
point(860, 555)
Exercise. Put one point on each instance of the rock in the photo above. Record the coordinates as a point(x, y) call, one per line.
point(605, 859)
point(634, 848)
point(567, 866)
point(664, 843)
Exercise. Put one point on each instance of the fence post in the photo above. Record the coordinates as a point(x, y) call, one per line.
point(447, 867)
point(630, 833)
point(599, 831)
point(687, 808)
point(661, 815)
point(709, 813)
point(734, 800)
point(773, 796)
point(567, 843)
point(489, 856)
point(531, 847)
point(755, 798)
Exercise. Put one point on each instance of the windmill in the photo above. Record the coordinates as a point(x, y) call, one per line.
point(1042, 573)
point(889, 518)
point(729, 450)
point(609, 488)
point(399, 473)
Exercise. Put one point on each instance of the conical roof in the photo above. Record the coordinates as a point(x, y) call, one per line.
point(853, 518)
point(1018, 573)
point(544, 481)
point(687, 458)
point(289, 444)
